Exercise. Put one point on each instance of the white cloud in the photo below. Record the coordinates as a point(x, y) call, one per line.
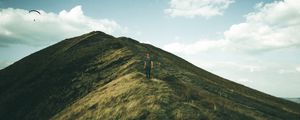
point(273, 26)
point(193, 48)
point(285, 71)
point(147, 42)
point(239, 66)
point(193, 8)
point(17, 26)
point(298, 69)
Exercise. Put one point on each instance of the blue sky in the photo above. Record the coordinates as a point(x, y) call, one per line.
point(253, 42)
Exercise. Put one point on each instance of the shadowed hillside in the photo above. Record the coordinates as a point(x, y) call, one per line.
point(98, 76)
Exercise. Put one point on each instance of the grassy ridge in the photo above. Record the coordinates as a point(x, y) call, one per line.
point(98, 76)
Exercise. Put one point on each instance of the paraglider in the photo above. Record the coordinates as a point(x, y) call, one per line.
point(35, 11)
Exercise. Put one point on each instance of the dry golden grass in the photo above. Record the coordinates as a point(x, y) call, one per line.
point(130, 96)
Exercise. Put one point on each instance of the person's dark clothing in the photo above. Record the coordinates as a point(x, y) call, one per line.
point(148, 68)
point(148, 73)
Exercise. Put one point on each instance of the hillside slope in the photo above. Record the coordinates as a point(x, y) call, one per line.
point(296, 100)
point(98, 76)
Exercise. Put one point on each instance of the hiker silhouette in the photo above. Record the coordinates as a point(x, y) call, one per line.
point(148, 65)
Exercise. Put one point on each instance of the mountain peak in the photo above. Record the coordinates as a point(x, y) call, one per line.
point(98, 33)
point(98, 76)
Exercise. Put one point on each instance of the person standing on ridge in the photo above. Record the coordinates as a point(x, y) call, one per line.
point(148, 65)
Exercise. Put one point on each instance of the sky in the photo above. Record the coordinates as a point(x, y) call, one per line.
point(252, 42)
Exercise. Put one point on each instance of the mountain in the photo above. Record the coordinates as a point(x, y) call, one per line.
point(98, 76)
point(296, 100)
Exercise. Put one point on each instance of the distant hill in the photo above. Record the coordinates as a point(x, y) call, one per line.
point(296, 100)
point(98, 76)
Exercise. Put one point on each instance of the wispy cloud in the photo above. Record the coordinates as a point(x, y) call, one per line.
point(194, 8)
point(234, 65)
point(194, 48)
point(17, 26)
point(286, 71)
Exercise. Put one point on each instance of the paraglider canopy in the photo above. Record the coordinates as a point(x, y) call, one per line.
point(35, 11)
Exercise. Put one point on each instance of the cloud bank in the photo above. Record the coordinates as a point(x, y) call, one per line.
point(17, 26)
point(272, 26)
point(194, 8)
